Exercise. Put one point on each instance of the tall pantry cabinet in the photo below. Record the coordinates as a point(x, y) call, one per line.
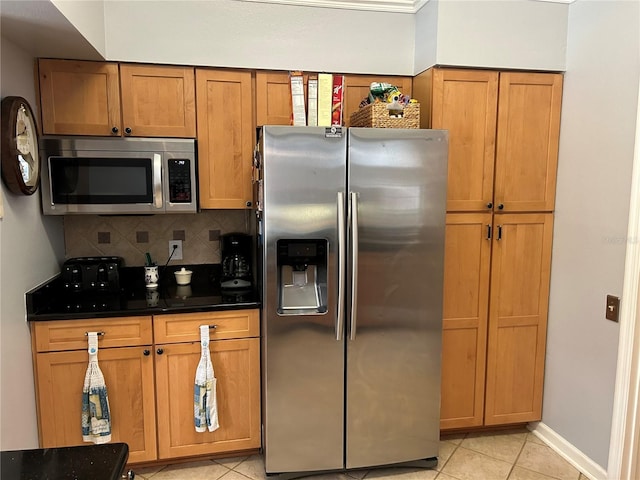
point(503, 147)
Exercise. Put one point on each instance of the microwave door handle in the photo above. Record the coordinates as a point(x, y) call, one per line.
point(50, 175)
point(157, 180)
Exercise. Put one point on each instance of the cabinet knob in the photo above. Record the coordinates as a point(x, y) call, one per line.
point(146, 353)
point(160, 351)
point(248, 204)
point(500, 207)
point(489, 205)
point(127, 131)
point(115, 130)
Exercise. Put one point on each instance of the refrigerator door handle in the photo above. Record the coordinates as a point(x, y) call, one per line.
point(342, 238)
point(354, 264)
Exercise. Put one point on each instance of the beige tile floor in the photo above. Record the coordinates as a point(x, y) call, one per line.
point(507, 455)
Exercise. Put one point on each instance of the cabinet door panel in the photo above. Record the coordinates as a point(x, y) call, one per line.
point(237, 368)
point(273, 98)
point(527, 144)
point(520, 269)
point(158, 101)
point(357, 87)
point(466, 293)
point(79, 98)
point(225, 138)
point(465, 102)
point(128, 374)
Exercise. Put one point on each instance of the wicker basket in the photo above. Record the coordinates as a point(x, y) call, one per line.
point(376, 115)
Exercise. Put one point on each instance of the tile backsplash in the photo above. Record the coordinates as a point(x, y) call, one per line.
point(131, 236)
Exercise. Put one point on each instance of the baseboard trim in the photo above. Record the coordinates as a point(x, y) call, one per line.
point(567, 451)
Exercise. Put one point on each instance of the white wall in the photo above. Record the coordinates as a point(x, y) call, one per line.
point(228, 33)
point(520, 34)
point(596, 154)
point(426, 48)
point(87, 16)
point(31, 249)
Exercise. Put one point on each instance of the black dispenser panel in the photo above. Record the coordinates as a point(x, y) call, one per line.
point(302, 276)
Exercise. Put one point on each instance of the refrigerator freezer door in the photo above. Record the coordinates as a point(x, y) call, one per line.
point(393, 357)
point(303, 354)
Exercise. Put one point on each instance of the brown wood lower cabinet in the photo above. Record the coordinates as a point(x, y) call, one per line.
point(128, 359)
point(237, 370)
point(518, 306)
point(494, 343)
point(129, 376)
point(465, 311)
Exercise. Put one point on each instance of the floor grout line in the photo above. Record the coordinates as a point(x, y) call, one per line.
point(513, 465)
point(454, 445)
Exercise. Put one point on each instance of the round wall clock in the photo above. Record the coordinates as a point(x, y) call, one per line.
point(19, 146)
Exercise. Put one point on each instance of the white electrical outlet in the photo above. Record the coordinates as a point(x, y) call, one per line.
point(175, 247)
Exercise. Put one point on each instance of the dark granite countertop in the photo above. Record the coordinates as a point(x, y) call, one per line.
point(85, 462)
point(50, 301)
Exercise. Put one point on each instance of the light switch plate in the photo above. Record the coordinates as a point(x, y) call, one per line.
point(613, 308)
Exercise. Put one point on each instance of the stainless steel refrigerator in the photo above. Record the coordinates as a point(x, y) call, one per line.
point(351, 237)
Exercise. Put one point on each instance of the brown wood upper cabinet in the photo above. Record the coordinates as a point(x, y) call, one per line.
point(273, 95)
point(158, 101)
point(107, 99)
point(356, 89)
point(273, 98)
point(226, 137)
point(503, 136)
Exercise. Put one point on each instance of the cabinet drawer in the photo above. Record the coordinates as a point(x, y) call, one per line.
point(185, 327)
point(70, 334)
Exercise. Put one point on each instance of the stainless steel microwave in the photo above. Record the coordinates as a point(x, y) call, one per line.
point(95, 175)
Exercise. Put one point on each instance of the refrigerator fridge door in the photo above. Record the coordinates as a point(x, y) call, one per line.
point(303, 175)
point(397, 195)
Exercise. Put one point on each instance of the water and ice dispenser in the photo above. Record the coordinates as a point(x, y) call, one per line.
point(302, 276)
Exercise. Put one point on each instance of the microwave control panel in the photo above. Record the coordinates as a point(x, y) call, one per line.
point(179, 180)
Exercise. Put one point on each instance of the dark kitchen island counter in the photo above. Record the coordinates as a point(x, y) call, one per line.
point(95, 462)
point(50, 301)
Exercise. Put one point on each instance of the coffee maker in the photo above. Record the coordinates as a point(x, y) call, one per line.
point(236, 261)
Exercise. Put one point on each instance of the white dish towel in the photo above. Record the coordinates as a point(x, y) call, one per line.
point(96, 419)
point(205, 407)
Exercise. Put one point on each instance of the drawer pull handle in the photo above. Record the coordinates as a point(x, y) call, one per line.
point(213, 327)
point(100, 334)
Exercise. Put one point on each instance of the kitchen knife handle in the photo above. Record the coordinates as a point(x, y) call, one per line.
point(354, 264)
point(157, 180)
point(341, 266)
